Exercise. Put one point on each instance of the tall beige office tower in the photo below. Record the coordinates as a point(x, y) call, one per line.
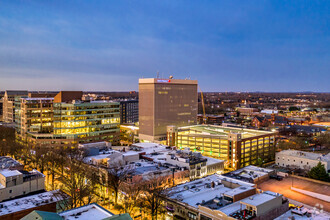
point(164, 102)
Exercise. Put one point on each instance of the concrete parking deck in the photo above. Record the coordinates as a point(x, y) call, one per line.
point(284, 187)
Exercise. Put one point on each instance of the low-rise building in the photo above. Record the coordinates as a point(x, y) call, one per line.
point(195, 199)
point(18, 208)
point(251, 174)
point(14, 183)
point(10, 163)
point(302, 159)
point(90, 211)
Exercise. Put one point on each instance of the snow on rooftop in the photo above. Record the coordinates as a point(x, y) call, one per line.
point(307, 155)
point(259, 199)
point(29, 202)
point(147, 145)
point(251, 172)
point(239, 190)
point(211, 160)
point(7, 162)
point(9, 173)
point(91, 211)
point(231, 208)
point(196, 191)
point(316, 215)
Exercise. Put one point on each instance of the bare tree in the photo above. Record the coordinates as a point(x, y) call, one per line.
point(116, 176)
point(131, 196)
point(154, 191)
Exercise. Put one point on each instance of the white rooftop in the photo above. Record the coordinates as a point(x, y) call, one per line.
point(251, 171)
point(29, 202)
point(87, 212)
point(194, 192)
point(316, 215)
point(231, 208)
point(8, 173)
point(259, 199)
point(306, 155)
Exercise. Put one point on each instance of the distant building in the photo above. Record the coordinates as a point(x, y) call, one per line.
point(210, 119)
point(269, 120)
point(129, 134)
point(164, 102)
point(35, 115)
point(301, 159)
point(42, 202)
point(129, 111)
point(1, 109)
point(246, 110)
point(239, 147)
point(309, 130)
point(14, 183)
point(9, 101)
point(67, 120)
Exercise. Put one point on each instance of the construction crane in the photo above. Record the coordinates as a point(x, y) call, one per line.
point(204, 115)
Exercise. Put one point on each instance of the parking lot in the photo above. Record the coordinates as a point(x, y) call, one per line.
point(284, 187)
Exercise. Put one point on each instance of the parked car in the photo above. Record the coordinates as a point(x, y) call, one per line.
point(276, 177)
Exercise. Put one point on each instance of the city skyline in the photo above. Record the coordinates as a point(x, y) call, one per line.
point(270, 46)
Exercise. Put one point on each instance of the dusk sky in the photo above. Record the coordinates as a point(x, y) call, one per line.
point(108, 45)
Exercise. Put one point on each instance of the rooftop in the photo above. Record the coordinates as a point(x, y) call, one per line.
point(249, 173)
point(199, 192)
point(87, 212)
point(304, 214)
point(306, 155)
point(259, 199)
point(8, 162)
point(222, 131)
point(9, 173)
point(29, 202)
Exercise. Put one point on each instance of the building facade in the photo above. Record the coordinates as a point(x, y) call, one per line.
point(164, 102)
point(239, 147)
point(35, 115)
point(301, 159)
point(14, 183)
point(129, 111)
point(9, 100)
point(66, 120)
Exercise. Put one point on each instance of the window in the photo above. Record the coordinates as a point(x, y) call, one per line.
point(192, 216)
point(10, 191)
point(203, 217)
point(300, 161)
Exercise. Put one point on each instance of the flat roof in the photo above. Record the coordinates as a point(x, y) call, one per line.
point(29, 202)
point(259, 199)
point(306, 155)
point(231, 208)
point(317, 215)
point(195, 192)
point(222, 131)
point(167, 81)
point(249, 172)
point(8, 173)
point(8, 162)
point(87, 212)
